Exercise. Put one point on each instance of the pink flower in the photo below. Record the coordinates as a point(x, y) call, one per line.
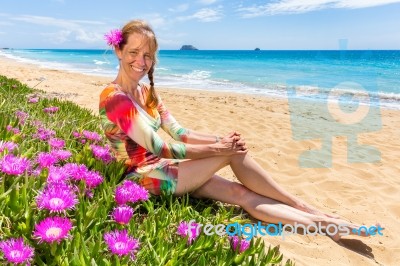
point(22, 116)
point(45, 159)
point(92, 179)
point(51, 109)
point(76, 171)
point(120, 243)
point(56, 143)
point(61, 155)
point(12, 165)
point(44, 134)
point(56, 197)
point(91, 135)
point(129, 191)
point(9, 145)
point(184, 231)
point(15, 130)
point(15, 251)
point(122, 214)
point(102, 153)
point(239, 245)
point(52, 229)
point(33, 100)
point(57, 175)
point(114, 37)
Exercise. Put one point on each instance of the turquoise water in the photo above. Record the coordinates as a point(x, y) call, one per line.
point(256, 72)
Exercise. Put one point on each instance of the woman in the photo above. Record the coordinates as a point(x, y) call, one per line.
point(132, 112)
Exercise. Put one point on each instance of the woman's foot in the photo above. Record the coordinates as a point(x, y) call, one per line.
point(345, 228)
point(312, 210)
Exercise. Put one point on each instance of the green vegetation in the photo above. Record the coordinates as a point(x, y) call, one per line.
point(154, 222)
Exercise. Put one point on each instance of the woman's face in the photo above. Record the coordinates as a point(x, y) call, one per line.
point(135, 57)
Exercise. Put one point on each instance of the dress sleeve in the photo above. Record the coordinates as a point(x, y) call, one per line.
point(121, 111)
point(170, 125)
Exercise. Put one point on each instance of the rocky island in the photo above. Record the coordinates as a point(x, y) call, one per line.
point(188, 47)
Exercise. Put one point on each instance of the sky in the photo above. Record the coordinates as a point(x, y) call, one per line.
point(206, 24)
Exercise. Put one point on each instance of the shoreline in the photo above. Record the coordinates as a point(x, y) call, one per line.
point(360, 192)
point(383, 100)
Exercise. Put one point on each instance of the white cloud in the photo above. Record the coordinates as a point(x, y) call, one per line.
point(205, 15)
point(85, 31)
point(156, 20)
point(296, 7)
point(59, 37)
point(5, 23)
point(207, 2)
point(180, 8)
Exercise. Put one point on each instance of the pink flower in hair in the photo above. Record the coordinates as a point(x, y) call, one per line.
point(114, 37)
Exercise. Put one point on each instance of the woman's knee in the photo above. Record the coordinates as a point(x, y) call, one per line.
point(239, 192)
point(237, 158)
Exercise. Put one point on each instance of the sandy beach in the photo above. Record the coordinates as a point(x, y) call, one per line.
point(364, 193)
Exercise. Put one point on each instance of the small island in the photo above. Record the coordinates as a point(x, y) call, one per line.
point(188, 47)
point(257, 49)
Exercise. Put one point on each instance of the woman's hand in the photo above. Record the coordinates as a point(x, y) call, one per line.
point(231, 144)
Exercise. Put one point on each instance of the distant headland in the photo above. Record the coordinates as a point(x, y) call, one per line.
point(188, 47)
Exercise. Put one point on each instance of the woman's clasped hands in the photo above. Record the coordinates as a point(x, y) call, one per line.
point(232, 144)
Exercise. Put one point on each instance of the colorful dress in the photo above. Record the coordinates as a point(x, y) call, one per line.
point(132, 135)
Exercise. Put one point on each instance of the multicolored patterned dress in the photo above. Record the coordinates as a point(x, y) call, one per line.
point(132, 135)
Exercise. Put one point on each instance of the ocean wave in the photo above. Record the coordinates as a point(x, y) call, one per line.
point(209, 80)
point(99, 62)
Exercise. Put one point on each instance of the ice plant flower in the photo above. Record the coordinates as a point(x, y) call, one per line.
point(15, 130)
point(92, 179)
point(44, 134)
point(76, 171)
point(91, 135)
point(15, 251)
point(121, 244)
point(129, 191)
point(101, 153)
point(238, 244)
point(114, 37)
point(57, 175)
point(52, 229)
point(22, 116)
point(184, 231)
point(56, 197)
point(45, 159)
point(51, 109)
point(9, 145)
point(61, 155)
point(33, 100)
point(122, 214)
point(56, 143)
point(12, 165)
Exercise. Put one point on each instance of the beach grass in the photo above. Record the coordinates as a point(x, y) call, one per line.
point(29, 120)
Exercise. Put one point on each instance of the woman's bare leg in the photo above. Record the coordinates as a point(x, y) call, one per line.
point(262, 208)
point(254, 177)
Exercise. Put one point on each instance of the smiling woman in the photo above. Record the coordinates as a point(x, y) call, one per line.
point(132, 112)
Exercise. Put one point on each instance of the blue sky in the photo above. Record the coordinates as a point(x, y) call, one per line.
point(206, 24)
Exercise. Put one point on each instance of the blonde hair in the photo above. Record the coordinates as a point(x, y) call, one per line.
point(144, 29)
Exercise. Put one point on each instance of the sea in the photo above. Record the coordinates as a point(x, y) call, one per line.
point(359, 75)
